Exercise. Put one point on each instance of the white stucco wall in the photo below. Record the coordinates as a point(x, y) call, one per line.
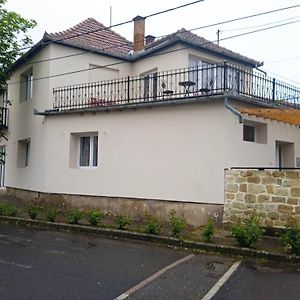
point(172, 153)
point(22, 122)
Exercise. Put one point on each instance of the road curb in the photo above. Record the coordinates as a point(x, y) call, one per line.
point(170, 241)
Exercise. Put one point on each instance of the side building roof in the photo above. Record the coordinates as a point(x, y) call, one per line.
point(199, 42)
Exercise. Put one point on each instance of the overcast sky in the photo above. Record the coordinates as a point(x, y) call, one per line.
point(279, 48)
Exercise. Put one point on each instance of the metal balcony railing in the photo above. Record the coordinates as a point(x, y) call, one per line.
point(3, 118)
point(176, 84)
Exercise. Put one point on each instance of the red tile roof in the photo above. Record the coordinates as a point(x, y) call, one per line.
point(92, 34)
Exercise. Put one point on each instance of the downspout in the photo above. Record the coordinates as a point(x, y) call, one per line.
point(265, 73)
point(233, 110)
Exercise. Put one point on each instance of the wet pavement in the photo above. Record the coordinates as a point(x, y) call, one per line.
point(273, 281)
point(42, 264)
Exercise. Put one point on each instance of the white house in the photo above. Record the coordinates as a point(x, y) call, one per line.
point(98, 121)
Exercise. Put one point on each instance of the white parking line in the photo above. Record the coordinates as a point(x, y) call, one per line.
point(221, 281)
point(153, 277)
point(11, 263)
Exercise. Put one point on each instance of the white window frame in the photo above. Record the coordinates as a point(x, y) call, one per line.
point(91, 154)
point(29, 86)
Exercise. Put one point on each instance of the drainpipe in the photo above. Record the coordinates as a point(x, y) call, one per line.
point(233, 110)
point(265, 73)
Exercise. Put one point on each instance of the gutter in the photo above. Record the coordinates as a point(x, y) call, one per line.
point(162, 102)
point(233, 110)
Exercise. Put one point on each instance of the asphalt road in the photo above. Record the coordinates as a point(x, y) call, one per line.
point(262, 282)
point(38, 264)
point(41, 264)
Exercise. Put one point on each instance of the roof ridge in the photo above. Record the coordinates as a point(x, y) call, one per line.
point(93, 33)
point(76, 26)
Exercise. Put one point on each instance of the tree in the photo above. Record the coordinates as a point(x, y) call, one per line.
point(13, 39)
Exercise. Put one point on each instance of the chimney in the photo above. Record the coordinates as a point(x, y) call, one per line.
point(149, 39)
point(139, 33)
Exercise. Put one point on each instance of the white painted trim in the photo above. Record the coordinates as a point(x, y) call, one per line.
point(212, 292)
point(153, 277)
point(91, 155)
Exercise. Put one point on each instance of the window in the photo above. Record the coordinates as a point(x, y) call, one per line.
point(88, 151)
point(26, 86)
point(255, 132)
point(23, 153)
point(204, 74)
point(150, 85)
point(249, 133)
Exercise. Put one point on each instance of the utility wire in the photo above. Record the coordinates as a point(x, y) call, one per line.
point(202, 27)
point(259, 30)
point(260, 25)
point(247, 17)
point(285, 78)
point(115, 25)
point(155, 54)
point(171, 9)
point(193, 29)
point(282, 60)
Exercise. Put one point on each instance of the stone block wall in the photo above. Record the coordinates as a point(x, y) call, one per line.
point(273, 195)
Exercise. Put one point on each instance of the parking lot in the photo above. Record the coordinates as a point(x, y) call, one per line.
point(41, 264)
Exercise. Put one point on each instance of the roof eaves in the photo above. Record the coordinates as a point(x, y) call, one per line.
point(29, 54)
point(93, 50)
point(155, 49)
point(247, 61)
point(178, 39)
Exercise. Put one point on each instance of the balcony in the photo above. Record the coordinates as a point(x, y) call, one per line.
point(178, 85)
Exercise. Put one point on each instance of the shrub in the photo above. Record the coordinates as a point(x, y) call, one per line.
point(51, 214)
point(291, 238)
point(10, 211)
point(32, 211)
point(153, 225)
point(208, 230)
point(247, 232)
point(74, 216)
point(2, 209)
point(123, 222)
point(95, 217)
point(7, 210)
point(178, 224)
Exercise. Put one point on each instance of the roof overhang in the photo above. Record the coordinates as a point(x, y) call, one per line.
point(45, 41)
point(177, 40)
point(286, 115)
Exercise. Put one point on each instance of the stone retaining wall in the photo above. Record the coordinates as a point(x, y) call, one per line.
point(273, 195)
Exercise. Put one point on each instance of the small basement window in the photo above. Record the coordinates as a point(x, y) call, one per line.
point(249, 133)
point(255, 132)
